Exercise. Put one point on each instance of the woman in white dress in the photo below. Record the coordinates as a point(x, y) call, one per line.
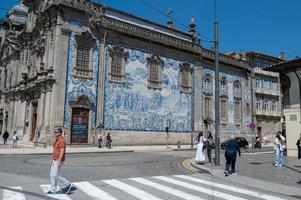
point(200, 153)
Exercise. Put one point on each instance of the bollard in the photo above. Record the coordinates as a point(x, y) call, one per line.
point(179, 144)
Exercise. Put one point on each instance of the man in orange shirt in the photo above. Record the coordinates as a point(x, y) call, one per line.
point(58, 158)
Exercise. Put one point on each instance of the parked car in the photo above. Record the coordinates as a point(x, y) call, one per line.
point(242, 142)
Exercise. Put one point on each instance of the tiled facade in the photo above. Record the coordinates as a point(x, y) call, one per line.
point(51, 86)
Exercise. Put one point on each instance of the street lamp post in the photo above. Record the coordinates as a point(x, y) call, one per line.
point(167, 126)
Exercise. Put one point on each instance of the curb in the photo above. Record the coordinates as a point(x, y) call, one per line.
point(201, 167)
point(68, 153)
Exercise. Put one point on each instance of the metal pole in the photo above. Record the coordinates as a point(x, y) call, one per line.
point(217, 136)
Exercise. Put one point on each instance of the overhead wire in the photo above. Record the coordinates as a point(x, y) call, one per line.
point(177, 21)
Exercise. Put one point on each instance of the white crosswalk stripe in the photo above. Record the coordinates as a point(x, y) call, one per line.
point(148, 188)
point(46, 188)
point(13, 195)
point(230, 188)
point(166, 189)
point(140, 194)
point(93, 191)
point(200, 189)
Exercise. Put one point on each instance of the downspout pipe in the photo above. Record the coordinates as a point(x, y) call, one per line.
point(299, 91)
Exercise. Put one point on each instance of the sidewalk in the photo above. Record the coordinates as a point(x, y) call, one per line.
point(256, 170)
point(29, 149)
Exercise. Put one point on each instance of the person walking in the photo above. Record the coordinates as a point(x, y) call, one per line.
point(5, 137)
point(99, 139)
point(210, 145)
point(109, 141)
point(58, 158)
point(15, 139)
point(200, 154)
point(279, 147)
point(230, 153)
point(299, 147)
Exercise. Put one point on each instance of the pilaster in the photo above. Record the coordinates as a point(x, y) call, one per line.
point(197, 98)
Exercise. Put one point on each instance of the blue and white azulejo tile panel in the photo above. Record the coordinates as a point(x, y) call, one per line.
point(76, 87)
point(132, 106)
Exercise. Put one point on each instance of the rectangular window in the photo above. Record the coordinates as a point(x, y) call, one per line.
point(223, 108)
point(274, 106)
point(116, 67)
point(82, 57)
point(266, 105)
point(248, 109)
point(258, 83)
point(237, 110)
point(207, 108)
point(154, 72)
point(186, 81)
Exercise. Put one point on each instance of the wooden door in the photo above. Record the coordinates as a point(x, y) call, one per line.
point(80, 122)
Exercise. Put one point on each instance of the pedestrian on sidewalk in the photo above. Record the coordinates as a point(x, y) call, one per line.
point(58, 158)
point(5, 137)
point(99, 139)
point(230, 153)
point(299, 147)
point(200, 152)
point(210, 145)
point(279, 147)
point(109, 141)
point(15, 139)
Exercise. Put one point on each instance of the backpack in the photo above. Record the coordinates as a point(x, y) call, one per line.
point(211, 143)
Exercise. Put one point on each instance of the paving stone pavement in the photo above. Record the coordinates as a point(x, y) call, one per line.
point(256, 169)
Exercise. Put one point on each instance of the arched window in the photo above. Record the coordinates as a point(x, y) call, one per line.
point(208, 81)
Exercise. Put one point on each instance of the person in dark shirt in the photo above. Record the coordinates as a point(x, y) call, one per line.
point(230, 153)
point(299, 147)
point(5, 137)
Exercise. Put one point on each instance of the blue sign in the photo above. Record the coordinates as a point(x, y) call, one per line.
point(79, 129)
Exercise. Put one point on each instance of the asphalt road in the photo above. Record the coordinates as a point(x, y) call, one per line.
point(118, 176)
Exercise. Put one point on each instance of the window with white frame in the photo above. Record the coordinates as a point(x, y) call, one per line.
point(258, 104)
point(266, 105)
point(237, 109)
point(258, 83)
point(117, 67)
point(223, 108)
point(155, 66)
point(274, 106)
point(185, 78)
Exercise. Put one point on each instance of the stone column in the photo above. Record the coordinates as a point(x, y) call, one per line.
point(197, 98)
point(40, 118)
point(101, 84)
point(28, 129)
point(20, 120)
point(47, 118)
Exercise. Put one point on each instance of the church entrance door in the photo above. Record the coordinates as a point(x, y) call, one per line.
point(80, 122)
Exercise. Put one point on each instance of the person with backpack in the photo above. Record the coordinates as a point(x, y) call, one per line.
point(5, 137)
point(210, 145)
point(230, 153)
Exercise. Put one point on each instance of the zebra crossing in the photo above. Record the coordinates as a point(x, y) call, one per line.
point(187, 187)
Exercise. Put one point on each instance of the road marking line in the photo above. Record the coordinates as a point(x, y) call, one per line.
point(140, 194)
point(93, 191)
point(199, 189)
point(46, 188)
point(12, 195)
point(230, 188)
point(175, 192)
point(186, 165)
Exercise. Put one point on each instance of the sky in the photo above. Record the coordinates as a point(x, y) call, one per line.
point(264, 26)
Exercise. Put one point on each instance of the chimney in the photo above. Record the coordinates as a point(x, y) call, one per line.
point(282, 55)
